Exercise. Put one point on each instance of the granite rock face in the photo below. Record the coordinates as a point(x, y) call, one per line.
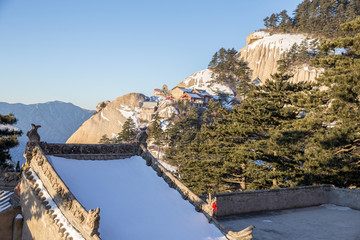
point(204, 80)
point(263, 50)
point(109, 120)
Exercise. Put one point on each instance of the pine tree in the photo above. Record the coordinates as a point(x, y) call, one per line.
point(286, 22)
point(9, 135)
point(231, 71)
point(333, 152)
point(128, 132)
point(318, 17)
point(155, 131)
point(104, 139)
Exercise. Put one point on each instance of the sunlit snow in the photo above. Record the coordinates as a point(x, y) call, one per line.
point(283, 42)
point(134, 202)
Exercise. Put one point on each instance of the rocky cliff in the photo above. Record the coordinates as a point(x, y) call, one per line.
point(109, 119)
point(263, 50)
point(204, 80)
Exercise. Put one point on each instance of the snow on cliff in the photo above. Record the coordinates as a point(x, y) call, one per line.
point(58, 121)
point(204, 80)
point(134, 202)
point(264, 50)
point(282, 42)
point(110, 119)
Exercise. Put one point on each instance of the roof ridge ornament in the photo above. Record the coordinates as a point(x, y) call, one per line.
point(33, 135)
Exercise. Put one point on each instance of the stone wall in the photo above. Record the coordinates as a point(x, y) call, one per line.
point(38, 221)
point(86, 151)
point(37, 200)
point(237, 203)
point(36, 203)
point(7, 218)
point(9, 180)
point(195, 200)
point(345, 197)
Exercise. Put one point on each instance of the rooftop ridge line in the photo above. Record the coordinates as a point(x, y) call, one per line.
point(86, 222)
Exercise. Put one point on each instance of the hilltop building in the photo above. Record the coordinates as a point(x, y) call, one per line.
point(148, 110)
point(196, 97)
point(161, 92)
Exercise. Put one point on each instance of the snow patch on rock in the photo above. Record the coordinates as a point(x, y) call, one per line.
point(283, 42)
point(204, 80)
point(103, 117)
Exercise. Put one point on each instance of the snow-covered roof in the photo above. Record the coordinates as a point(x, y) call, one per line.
point(168, 111)
point(149, 104)
point(73, 233)
point(192, 95)
point(203, 92)
point(5, 200)
point(188, 90)
point(134, 202)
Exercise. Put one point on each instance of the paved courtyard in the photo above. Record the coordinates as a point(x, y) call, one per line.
point(326, 222)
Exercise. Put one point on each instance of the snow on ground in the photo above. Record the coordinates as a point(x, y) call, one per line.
point(335, 207)
point(281, 41)
point(127, 112)
point(168, 111)
point(168, 167)
point(164, 124)
point(340, 51)
point(134, 202)
point(260, 34)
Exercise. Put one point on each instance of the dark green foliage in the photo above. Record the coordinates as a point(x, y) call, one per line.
point(337, 147)
point(230, 71)
point(104, 139)
point(242, 148)
point(298, 54)
point(155, 131)
point(8, 137)
point(281, 134)
point(318, 17)
point(128, 132)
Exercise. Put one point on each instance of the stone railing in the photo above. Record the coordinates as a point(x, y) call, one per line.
point(87, 151)
point(195, 200)
point(9, 180)
point(86, 222)
point(237, 203)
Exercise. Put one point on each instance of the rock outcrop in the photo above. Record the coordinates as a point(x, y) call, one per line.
point(263, 50)
point(204, 80)
point(109, 119)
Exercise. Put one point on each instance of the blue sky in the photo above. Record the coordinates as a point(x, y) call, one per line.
point(87, 51)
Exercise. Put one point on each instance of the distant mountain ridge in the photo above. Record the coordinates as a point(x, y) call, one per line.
point(58, 120)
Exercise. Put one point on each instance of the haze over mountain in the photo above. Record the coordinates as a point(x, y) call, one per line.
point(58, 121)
